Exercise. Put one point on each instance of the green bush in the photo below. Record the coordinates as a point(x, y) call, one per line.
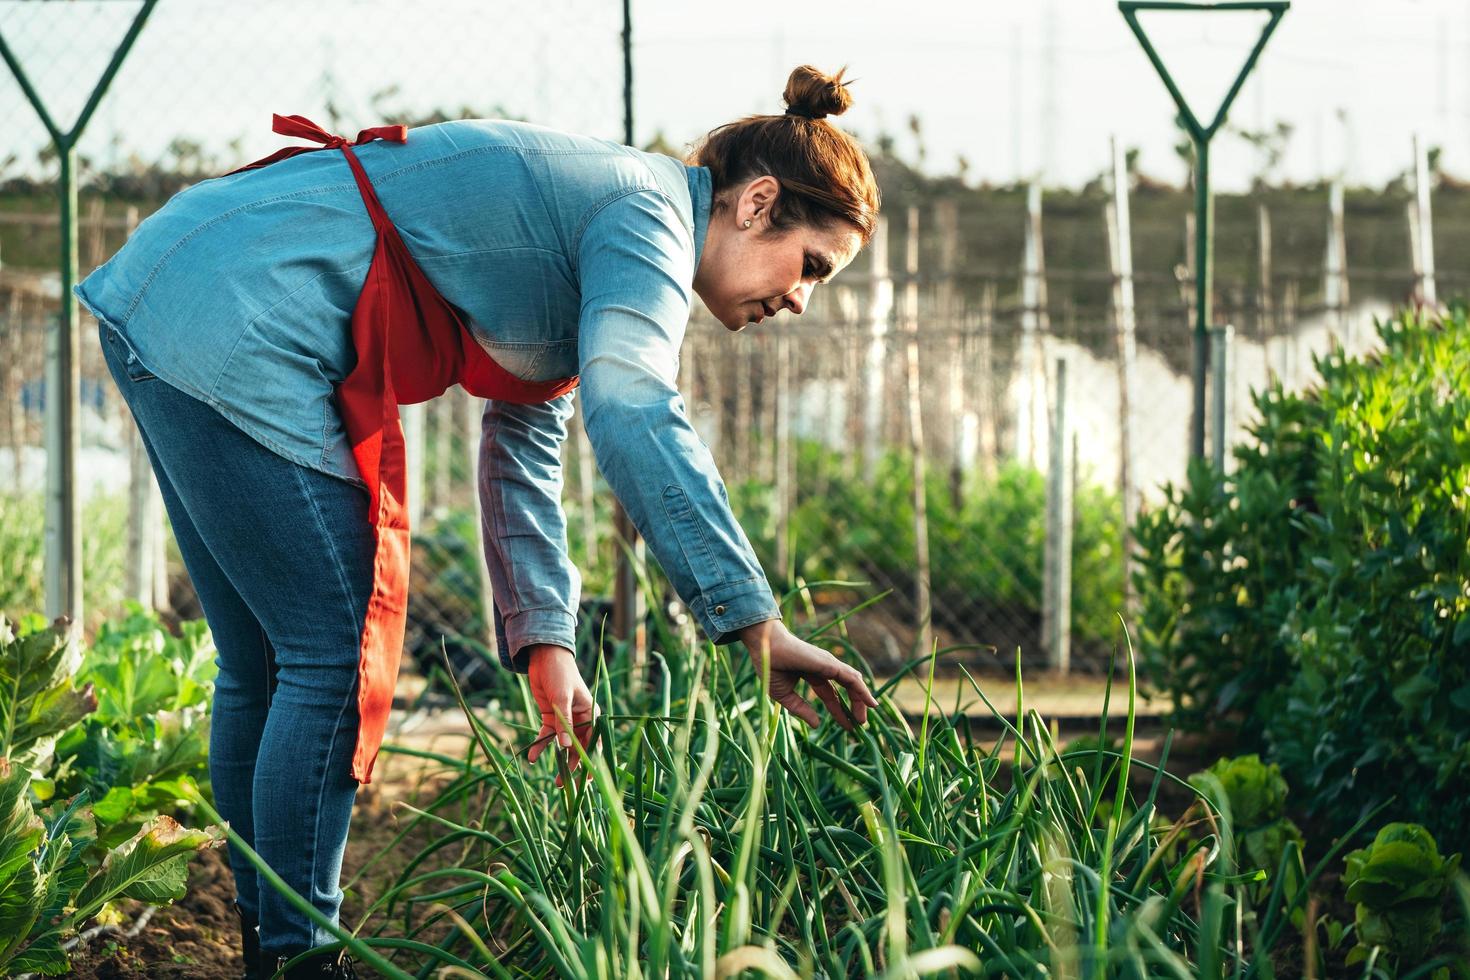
point(23, 555)
point(1315, 599)
point(986, 552)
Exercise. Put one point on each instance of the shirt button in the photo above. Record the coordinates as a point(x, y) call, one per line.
point(719, 610)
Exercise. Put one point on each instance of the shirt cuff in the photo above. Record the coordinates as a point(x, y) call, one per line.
point(726, 609)
point(532, 626)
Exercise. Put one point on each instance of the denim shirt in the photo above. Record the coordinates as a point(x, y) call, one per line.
point(564, 254)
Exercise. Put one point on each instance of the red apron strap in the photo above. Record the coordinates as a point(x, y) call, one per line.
point(303, 128)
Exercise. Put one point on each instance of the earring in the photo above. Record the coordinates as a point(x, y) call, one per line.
point(747, 222)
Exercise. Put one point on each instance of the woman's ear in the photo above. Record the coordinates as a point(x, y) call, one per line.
point(756, 201)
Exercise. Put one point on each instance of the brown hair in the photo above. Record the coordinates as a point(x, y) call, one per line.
point(823, 172)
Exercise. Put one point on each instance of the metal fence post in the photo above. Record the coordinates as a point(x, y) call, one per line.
point(63, 541)
point(1200, 135)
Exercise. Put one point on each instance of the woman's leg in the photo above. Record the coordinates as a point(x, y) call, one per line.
point(295, 547)
point(242, 688)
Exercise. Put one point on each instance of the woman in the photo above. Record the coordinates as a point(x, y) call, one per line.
point(263, 335)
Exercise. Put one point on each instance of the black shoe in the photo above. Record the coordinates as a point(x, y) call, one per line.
point(333, 965)
point(249, 943)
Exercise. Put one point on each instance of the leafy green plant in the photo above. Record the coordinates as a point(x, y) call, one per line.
point(1398, 885)
point(1312, 601)
point(1254, 794)
point(148, 738)
point(38, 699)
point(55, 874)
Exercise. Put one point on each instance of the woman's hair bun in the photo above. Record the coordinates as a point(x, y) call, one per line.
point(816, 95)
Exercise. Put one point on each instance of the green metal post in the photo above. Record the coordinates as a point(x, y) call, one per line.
point(63, 542)
point(1204, 203)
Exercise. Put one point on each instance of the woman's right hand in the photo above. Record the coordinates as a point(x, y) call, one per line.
point(793, 659)
point(557, 686)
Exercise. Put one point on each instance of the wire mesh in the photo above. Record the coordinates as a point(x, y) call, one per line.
point(807, 417)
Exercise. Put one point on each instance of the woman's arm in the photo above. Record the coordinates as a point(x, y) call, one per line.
point(635, 263)
point(524, 528)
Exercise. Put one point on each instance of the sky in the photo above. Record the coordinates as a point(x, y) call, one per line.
point(1026, 89)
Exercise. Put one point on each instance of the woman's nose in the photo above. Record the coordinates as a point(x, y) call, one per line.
point(795, 300)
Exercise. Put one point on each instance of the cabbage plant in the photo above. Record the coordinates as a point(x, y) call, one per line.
point(1255, 794)
point(1398, 886)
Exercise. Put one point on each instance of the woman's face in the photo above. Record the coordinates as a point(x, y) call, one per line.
point(746, 275)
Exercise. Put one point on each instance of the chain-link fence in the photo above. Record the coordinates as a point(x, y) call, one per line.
point(192, 100)
point(933, 361)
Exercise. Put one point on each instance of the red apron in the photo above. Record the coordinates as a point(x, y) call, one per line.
point(411, 346)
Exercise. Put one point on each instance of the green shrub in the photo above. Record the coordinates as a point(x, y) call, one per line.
point(23, 555)
point(986, 551)
point(1315, 600)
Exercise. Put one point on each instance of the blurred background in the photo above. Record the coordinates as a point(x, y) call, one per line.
point(964, 422)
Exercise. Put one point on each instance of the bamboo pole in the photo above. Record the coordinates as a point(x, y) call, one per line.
point(14, 379)
point(1423, 227)
point(1334, 266)
point(1221, 343)
point(853, 348)
point(1056, 600)
point(880, 305)
point(989, 409)
point(1125, 321)
point(947, 220)
point(586, 488)
point(744, 411)
point(138, 576)
point(443, 410)
point(412, 419)
point(714, 380)
point(781, 484)
point(1265, 301)
point(923, 609)
point(1034, 325)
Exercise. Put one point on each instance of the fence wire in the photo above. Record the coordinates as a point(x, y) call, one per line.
point(820, 424)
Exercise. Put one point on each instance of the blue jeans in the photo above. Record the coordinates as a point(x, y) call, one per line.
point(282, 559)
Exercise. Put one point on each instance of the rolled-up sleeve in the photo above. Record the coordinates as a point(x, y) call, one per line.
point(635, 262)
point(525, 529)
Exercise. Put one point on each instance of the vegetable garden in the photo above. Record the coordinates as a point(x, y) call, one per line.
point(712, 836)
point(965, 474)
